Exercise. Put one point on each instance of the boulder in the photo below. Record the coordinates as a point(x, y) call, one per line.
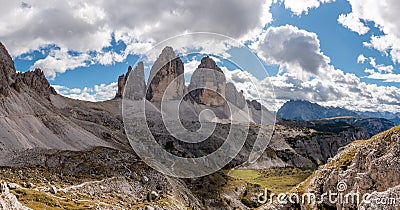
point(149, 208)
point(13, 186)
point(165, 72)
point(208, 84)
point(53, 190)
point(144, 179)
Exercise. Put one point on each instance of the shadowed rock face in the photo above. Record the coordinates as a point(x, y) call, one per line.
point(34, 80)
point(165, 72)
point(139, 85)
point(7, 71)
point(211, 77)
point(122, 82)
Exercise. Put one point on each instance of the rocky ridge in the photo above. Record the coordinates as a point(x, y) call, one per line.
point(365, 166)
point(34, 116)
point(305, 110)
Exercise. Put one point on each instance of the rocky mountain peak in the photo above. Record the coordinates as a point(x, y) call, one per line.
point(34, 80)
point(7, 71)
point(165, 72)
point(305, 110)
point(137, 85)
point(208, 63)
point(208, 84)
point(167, 53)
point(121, 83)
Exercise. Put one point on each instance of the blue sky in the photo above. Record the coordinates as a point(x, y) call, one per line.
point(83, 56)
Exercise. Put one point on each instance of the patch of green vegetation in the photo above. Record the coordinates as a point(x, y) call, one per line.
point(347, 157)
point(276, 180)
point(40, 200)
point(273, 181)
point(244, 174)
point(149, 198)
point(331, 127)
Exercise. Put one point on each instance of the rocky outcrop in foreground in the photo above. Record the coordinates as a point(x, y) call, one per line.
point(362, 167)
point(8, 200)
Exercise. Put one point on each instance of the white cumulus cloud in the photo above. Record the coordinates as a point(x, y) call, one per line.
point(59, 60)
point(384, 14)
point(99, 92)
point(297, 50)
point(352, 22)
point(294, 49)
point(299, 7)
point(361, 58)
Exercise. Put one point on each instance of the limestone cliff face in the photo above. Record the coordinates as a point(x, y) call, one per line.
point(31, 80)
point(208, 84)
point(7, 71)
point(121, 83)
point(164, 73)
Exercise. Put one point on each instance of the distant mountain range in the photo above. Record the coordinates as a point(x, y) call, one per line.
point(305, 110)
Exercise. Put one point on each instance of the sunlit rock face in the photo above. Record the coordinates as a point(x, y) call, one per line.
point(208, 84)
point(233, 96)
point(165, 74)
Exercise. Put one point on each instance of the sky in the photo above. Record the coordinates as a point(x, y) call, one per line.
point(342, 53)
